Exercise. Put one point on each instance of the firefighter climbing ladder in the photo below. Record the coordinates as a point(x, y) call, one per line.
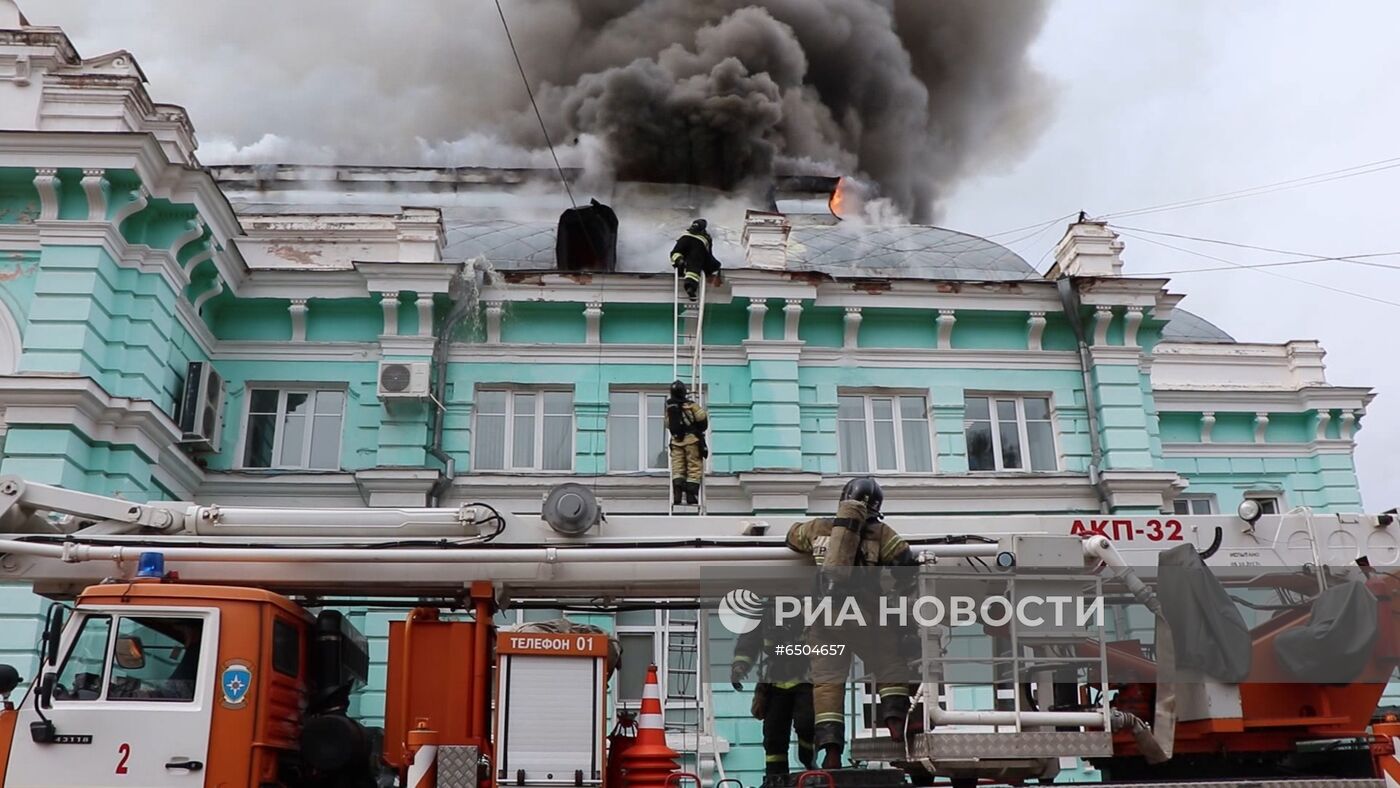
point(687, 363)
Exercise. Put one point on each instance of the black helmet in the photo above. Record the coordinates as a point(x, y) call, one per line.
point(698, 226)
point(678, 391)
point(866, 490)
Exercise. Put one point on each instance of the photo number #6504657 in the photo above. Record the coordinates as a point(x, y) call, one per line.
point(1126, 529)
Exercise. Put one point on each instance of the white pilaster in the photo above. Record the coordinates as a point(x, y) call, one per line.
point(1035, 330)
point(425, 314)
point(946, 319)
point(493, 322)
point(97, 188)
point(46, 181)
point(1103, 316)
point(1207, 425)
point(1132, 319)
point(593, 322)
point(296, 308)
point(852, 325)
point(1261, 426)
point(389, 302)
point(792, 313)
point(757, 311)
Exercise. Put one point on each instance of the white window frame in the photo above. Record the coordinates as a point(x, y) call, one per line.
point(661, 633)
point(1022, 432)
point(508, 451)
point(641, 393)
point(1265, 495)
point(1191, 501)
point(283, 389)
point(868, 396)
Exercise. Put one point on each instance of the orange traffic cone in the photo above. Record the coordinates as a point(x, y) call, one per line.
point(649, 762)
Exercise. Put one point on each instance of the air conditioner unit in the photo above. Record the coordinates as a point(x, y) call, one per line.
point(202, 407)
point(403, 379)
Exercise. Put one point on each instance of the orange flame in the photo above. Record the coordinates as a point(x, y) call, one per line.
point(838, 197)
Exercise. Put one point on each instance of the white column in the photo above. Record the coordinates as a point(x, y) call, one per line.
point(1207, 425)
point(389, 302)
point(1132, 319)
point(792, 313)
point(946, 319)
point(852, 325)
point(297, 310)
point(757, 311)
point(1261, 425)
point(493, 322)
point(593, 322)
point(46, 181)
point(425, 314)
point(1324, 417)
point(97, 188)
point(1035, 330)
point(1103, 316)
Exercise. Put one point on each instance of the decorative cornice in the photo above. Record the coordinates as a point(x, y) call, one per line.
point(1103, 317)
point(758, 310)
point(296, 310)
point(1221, 400)
point(792, 314)
point(850, 338)
point(249, 350)
point(1296, 450)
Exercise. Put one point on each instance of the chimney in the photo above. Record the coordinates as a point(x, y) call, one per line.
point(587, 239)
point(766, 239)
point(1089, 249)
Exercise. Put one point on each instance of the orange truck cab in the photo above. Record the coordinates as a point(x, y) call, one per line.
point(151, 683)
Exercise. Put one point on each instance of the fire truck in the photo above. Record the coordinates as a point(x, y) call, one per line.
point(193, 644)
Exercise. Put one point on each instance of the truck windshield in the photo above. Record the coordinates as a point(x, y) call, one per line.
point(81, 675)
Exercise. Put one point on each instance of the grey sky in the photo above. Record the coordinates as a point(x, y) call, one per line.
point(1155, 102)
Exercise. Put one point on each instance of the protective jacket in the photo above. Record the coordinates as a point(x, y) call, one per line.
point(686, 421)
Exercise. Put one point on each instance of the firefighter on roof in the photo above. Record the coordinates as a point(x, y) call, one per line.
point(783, 696)
point(857, 537)
point(693, 254)
point(687, 422)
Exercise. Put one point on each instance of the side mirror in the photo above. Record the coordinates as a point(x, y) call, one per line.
point(130, 654)
point(9, 679)
point(46, 685)
point(53, 633)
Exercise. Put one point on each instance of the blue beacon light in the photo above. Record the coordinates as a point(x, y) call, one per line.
point(150, 565)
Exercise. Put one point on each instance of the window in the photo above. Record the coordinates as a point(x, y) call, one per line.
point(883, 433)
point(637, 431)
point(1268, 504)
point(286, 648)
point(669, 639)
point(1194, 504)
point(1001, 431)
point(80, 678)
point(293, 428)
point(155, 659)
point(526, 430)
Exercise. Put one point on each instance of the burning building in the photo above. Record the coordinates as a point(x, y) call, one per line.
point(256, 334)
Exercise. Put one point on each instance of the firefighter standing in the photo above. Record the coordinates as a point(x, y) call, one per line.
point(687, 422)
point(694, 255)
point(857, 537)
point(783, 696)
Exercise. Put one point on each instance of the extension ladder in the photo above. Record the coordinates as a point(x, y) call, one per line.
point(687, 364)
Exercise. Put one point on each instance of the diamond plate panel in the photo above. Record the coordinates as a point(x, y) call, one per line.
point(457, 766)
point(954, 746)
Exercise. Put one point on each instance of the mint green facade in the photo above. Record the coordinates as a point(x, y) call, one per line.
point(103, 313)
